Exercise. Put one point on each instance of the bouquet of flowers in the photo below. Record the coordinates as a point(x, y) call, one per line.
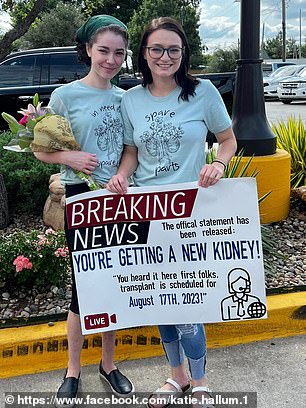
point(41, 131)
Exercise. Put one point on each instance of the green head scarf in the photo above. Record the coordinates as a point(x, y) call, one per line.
point(87, 30)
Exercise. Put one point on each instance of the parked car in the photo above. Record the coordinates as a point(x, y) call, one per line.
point(271, 82)
point(269, 67)
point(25, 73)
point(293, 89)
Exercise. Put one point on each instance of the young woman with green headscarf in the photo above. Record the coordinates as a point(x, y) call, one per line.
point(92, 106)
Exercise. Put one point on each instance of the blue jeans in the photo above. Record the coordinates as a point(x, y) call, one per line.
point(185, 340)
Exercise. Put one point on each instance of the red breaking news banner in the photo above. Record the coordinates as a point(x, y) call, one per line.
point(130, 208)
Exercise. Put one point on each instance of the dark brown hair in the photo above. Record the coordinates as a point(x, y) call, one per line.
point(182, 78)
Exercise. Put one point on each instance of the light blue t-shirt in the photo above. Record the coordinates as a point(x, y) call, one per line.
point(170, 134)
point(96, 122)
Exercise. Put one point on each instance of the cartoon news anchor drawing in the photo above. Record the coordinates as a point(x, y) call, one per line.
point(240, 304)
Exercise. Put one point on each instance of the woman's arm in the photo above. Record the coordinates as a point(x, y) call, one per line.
point(227, 145)
point(210, 174)
point(77, 160)
point(128, 164)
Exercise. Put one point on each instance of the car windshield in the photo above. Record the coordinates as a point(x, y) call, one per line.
point(303, 73)
point(284, 71)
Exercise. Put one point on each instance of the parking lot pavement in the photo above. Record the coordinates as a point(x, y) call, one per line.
point(274, 369)
point(276, 111)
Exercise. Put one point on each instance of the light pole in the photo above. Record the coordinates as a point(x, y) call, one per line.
point(250, 125)
point(284, 29)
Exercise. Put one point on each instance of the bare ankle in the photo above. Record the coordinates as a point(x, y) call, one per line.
point(180, 375)
point(73, 372)
point(108, 366)
point(201, 382)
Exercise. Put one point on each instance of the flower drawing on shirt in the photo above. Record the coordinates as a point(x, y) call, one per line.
point(110, 135)
point(162, 139)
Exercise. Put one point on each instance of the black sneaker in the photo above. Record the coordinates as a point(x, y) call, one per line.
point(67, 392)
point(119, 383)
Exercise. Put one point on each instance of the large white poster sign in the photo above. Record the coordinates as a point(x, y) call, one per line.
point(169, 254)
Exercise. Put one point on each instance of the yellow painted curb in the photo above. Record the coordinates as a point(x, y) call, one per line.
point(34, 349)
point(273, 176)
point(286, 317)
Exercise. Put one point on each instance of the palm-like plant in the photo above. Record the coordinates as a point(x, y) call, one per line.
point(292, 138)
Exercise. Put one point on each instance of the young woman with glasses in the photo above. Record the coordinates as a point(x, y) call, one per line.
point(166, 122)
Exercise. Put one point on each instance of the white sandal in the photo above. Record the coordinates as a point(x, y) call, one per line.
point(167, 396)
point(206, 401)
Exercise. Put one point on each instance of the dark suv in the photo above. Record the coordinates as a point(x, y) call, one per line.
point(24, 73)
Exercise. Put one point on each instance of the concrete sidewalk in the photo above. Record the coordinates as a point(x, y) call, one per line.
point(274, 369)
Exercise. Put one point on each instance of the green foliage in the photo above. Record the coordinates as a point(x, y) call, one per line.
point(292, 138)
point(122, 9)
point(274, 46)
point(21, 9)
point(17, 31)
point(34, 258)
point(26, 179)
point(224, 60)
point(236, 168)
point(207, 59)
point(196, 61)
point(56, 27)
point(186, 12)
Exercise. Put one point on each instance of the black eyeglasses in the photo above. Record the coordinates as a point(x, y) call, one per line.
point(158, 52)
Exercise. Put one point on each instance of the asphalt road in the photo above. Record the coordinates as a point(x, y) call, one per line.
point(276, 111)
point(274, 369)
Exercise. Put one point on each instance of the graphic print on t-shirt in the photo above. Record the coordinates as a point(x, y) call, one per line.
point(109, 135)
point(161, 140)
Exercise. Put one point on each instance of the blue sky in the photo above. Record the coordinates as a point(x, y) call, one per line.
point(220, 21)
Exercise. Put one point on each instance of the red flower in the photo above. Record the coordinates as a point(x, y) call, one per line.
point(21, 262)
point(63, 252)
point(23, 121)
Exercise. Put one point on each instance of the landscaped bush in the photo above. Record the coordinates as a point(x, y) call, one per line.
point(292, 138)
point(34, 258)
point(26, 179)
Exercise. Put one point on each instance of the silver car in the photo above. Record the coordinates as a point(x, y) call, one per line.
point(293, 89)
point(272, 81)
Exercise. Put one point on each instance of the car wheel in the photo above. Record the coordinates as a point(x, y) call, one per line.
point(286, 102)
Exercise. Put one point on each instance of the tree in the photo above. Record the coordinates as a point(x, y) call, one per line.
point(196, 61)
point(273, 47)
point(55, 28)
point(186, 12)
point(224, 60)
point(122, 9)
point(292, 48)
point(24, 12)
point(22, 27)
point(22, 8)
